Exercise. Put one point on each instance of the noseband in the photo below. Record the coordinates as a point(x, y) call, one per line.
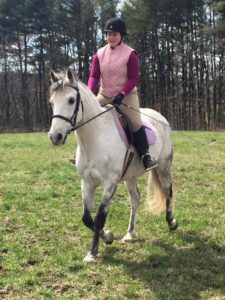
point(73, 119)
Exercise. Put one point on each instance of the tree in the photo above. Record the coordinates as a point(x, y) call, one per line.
point(180, 45)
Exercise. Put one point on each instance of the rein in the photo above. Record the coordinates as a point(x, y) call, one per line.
point(82, 124)
point(73, 119)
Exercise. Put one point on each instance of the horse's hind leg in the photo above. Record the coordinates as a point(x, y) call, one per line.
point(172, 222)
point(134, 199)
point(165, 178)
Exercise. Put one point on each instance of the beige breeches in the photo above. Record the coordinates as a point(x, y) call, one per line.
point(133, 117)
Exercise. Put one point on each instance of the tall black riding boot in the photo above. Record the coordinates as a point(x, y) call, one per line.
point(141, 144)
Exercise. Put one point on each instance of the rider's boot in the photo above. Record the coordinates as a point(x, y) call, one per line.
point(141, 144)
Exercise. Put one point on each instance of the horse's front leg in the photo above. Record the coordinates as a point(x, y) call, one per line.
point(88, 198)
point(99, 221)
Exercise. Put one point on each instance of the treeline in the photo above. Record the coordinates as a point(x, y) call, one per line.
point(180, 45)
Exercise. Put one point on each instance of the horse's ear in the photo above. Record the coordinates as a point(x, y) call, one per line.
point(71, 77)
point(53, 76)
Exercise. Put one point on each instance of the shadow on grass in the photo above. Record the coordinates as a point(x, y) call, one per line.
point(180, 272)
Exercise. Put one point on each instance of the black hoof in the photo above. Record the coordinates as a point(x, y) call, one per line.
point(108, 242)
point(107, 236)
point(173, 225)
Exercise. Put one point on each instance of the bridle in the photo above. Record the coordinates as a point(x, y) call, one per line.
point(73, 119)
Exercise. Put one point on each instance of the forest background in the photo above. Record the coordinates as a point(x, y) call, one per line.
point(180, 45)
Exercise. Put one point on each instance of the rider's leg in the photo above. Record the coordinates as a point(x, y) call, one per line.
point(140, 138)
point(103, 100)
point(141, 144)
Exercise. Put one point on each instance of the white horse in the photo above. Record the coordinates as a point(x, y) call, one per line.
point(101, 152)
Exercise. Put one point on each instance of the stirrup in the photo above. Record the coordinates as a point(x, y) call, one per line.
point(148, 162)
point(72, 161)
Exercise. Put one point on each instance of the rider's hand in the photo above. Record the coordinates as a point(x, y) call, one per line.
point(117, 100)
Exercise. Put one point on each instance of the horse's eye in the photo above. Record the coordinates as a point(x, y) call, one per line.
point(71, 100)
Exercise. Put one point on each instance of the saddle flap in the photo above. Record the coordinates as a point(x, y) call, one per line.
point(150, 132)
point(124, 131)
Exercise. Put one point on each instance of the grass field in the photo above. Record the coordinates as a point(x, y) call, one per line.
point(43, 241)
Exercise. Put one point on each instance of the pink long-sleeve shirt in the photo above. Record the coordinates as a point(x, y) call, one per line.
point(132, 74)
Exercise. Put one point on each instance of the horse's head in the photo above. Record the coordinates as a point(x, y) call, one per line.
point(66, 102)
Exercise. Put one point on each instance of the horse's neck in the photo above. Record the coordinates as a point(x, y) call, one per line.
point(94, 130)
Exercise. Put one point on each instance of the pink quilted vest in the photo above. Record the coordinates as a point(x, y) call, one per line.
point(113, 68)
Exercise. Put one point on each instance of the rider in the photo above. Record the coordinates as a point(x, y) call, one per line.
point(116, 66)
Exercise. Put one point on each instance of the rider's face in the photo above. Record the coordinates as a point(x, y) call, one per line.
point(113, 38)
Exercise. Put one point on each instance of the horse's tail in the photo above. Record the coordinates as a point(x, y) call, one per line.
point(156, 200)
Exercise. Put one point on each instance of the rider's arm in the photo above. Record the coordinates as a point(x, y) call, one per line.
point(132, 74)
point(94, 75)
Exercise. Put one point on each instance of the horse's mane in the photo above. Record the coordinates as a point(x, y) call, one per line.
point(64, 82)
point(87, 91)
point(60, 84)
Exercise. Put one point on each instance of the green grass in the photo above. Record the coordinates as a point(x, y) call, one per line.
point(43, 241)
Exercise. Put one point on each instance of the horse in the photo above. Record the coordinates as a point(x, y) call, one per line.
point(100, 156)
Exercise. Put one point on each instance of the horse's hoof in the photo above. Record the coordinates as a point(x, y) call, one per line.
point(90, 259)
point(127, 238)
point(108, 237)
point(173, 225)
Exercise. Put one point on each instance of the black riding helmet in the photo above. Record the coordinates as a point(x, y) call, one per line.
point(115, 25)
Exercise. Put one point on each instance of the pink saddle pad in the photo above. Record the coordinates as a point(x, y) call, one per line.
point(149, 129)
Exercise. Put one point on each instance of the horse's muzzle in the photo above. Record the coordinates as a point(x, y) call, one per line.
point(57, 138)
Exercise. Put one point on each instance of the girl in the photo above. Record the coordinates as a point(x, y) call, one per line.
point(116, 66)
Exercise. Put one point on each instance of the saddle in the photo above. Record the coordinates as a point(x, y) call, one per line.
point(126, 136)
point(125, 131)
